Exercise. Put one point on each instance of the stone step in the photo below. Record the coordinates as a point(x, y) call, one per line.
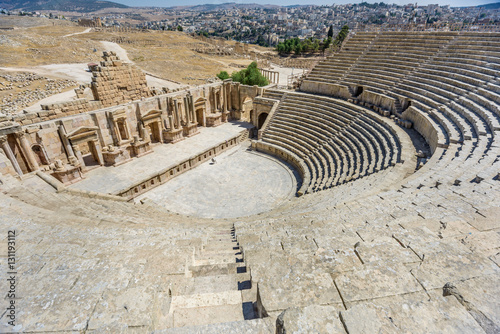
point(215, 269)
point(261, 326)
point(227, 297)
point(210, 284)
point(223, 251)
point(214, 260)
point(220, 246)
point(207, 315)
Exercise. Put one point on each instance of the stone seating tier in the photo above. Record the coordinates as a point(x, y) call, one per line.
point(338, 141)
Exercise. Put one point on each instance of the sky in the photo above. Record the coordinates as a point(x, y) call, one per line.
point(170, 3)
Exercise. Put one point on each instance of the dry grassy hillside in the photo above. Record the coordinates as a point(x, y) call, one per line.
point(167, 54)
point(170, 54)
point(43, 45)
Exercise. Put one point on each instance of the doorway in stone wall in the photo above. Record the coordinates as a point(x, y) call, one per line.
point(154, 132)
point(89, 154)
point(262, 119)
point(39, 154)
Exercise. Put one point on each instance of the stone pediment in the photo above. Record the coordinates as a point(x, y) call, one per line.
point(151, 115)
point(117, 114)
point(83, 133)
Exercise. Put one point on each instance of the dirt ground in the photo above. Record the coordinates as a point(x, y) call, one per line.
point(60, 50)
point(167, 54)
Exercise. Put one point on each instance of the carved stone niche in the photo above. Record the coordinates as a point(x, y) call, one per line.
point(153, 123)
point(86, 147)
point(120, 128)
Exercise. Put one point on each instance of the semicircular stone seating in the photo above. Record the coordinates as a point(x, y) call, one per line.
point(383, 249)
point(338, 141)
point(448, 83)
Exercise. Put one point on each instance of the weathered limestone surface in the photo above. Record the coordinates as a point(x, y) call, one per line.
point(381, 251)
point(310, 319)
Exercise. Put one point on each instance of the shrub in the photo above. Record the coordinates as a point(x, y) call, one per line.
point(223, 75)
point(250, 76)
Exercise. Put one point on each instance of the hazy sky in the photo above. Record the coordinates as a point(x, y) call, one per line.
point(169, 3)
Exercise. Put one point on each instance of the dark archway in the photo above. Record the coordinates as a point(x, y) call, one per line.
point(358, 90)
point(262, 119)
point(40, 156)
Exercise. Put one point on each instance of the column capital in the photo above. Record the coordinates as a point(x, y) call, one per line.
point(3, 139)
point(20, 134)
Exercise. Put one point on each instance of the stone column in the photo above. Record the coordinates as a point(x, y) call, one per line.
point(224, 98)
point(67, 145)
point(145, 133)
point(177, 120)
point(160, 132)
point(28, 153)
point(191, 106)
point(229, 96)
point(8, 152)
point(78, 155)
point(171, 122)
point(98, 150)
point(186, 110)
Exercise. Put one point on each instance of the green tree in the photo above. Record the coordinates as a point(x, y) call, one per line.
point(330, 32)
point(298, 49)
point(341, 35)
point(223, 75)
point(250, 76)
point(179, 28)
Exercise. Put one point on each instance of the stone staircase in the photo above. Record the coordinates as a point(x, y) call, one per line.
point(216, 286)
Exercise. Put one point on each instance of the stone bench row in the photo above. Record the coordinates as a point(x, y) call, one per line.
point(475, 65)
point(482, 108)
point(469, 75)
point(319, 123)
point(487, 57)
point(316, 160)
point(464, 163)
point(365, 155)
point(391, 63)
point(273, 94)
point(424, 99)
point(414, 54)
point(490, 101)
point(327, 126)
point(481, 124)
point(338, 108)
point(332, 116)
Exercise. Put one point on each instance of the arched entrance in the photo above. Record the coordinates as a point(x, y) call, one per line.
point(262, 119)
point(40, 156)
point(357, 91)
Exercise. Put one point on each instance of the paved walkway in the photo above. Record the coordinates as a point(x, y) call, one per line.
point(240, 183)
point(112, 179)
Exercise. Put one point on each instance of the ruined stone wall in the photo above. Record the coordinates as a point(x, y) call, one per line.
point(115, 82)
point(57, 129)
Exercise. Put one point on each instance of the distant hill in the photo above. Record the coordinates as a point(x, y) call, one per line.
point(59, 5)
point(495, 5)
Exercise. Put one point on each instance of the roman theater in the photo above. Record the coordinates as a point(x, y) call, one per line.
point(367, 200)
